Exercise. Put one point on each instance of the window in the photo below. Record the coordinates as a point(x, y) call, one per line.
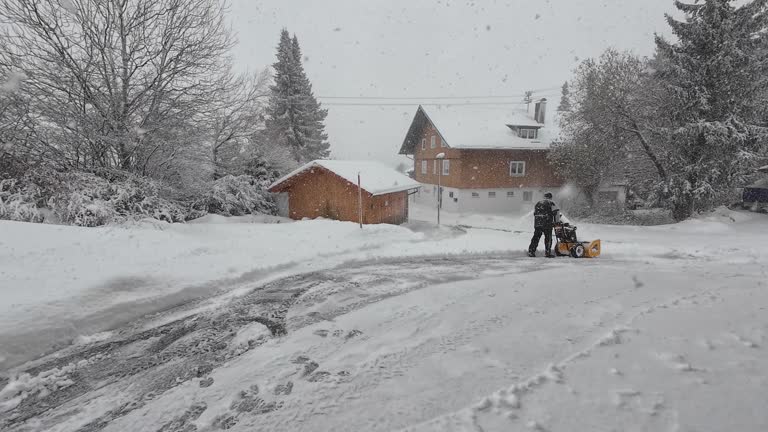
point(446, 167)
point(511, 194)
point(423, 167)
point(475, 195)
point(442, 143)
point(517, 169)
point(528, 133)
point(423, 143)
point(528, 196)
point(608, 196)
point(432, 143)
point(491, 194)
point(450, 194)
point(434, 167)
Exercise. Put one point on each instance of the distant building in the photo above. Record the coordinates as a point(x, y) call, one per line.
point(495, 158)
point(329, 189)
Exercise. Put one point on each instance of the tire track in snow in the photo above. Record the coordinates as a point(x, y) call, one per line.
point(137, 364)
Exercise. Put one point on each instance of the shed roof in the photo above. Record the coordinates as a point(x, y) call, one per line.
point(375, 177)
point(482, 127)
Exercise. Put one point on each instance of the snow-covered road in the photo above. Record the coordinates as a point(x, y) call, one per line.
point(493, 343)
point(668, 330)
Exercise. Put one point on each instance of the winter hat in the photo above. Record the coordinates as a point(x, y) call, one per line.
point(548, 195)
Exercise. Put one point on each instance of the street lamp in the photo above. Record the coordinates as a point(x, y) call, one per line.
point(439, 157)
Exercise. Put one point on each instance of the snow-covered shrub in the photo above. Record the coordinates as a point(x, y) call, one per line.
point(85, 198)
point(82, 209)
point(89, 199)
point(236, 196)
point(112, 196)
point(77, 198)
point(18, 201)
point(140, 196)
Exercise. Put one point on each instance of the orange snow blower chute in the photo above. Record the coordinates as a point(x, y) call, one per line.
point(568, 244)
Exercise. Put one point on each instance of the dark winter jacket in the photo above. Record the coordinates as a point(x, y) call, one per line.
point(544, 214)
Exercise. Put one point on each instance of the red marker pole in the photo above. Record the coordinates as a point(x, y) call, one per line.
point(360, 200)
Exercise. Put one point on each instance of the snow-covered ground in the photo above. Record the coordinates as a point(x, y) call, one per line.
point(318, 325)
point(62, 282)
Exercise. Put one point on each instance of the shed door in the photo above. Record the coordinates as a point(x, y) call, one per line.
point(282, 204)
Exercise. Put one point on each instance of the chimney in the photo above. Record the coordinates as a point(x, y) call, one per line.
point(541, 111)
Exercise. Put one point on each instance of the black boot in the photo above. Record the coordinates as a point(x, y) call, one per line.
point(532, 254)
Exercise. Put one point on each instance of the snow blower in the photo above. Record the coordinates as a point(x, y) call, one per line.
point(569, 244)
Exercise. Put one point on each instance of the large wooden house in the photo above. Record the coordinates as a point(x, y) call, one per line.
point(493, 159)
point(329, 189)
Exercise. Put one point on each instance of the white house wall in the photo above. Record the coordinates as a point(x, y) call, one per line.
point(484, 202)
point(463, 201)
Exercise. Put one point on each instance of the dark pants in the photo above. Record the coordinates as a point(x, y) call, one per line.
point(547, 231)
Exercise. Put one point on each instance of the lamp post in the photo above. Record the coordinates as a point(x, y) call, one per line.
point(439, 157)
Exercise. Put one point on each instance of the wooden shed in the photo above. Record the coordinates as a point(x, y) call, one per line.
point(328, 188)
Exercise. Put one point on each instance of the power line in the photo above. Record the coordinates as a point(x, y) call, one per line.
point(415, 104)
point(420, 97)
point(423, 104)
point(548, 89)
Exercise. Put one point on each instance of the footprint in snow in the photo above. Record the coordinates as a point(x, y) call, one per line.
point(284, 389)
point(621, 398)
point(677, 362)
point(536, 426)
point(224, 421)
point(186, 420)
point(707, 344)
point(309, 368)
point(319, 376)
point(353, 333)
point(746, 342)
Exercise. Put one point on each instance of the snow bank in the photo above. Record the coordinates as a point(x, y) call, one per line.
point(251, 218)
point(51, 275)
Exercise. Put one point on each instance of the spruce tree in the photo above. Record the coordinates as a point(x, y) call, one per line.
point(712, 75)
point(316, 141)
point(294, 116)
point(565, 98)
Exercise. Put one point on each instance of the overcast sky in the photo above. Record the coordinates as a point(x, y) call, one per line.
point(415, 48)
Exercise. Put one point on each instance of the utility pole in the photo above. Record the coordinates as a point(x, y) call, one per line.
point(439, 157)
point(528, 99)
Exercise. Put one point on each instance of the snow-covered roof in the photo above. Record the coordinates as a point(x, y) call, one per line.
point(375, 177)
point(488, 127)
point(521, 118)
point(762, 183)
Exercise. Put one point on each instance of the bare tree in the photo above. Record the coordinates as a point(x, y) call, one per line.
point(234, 118)
point(116, 83)
point(617, 109)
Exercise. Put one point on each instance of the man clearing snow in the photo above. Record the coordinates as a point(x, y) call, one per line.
point(543, 220)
